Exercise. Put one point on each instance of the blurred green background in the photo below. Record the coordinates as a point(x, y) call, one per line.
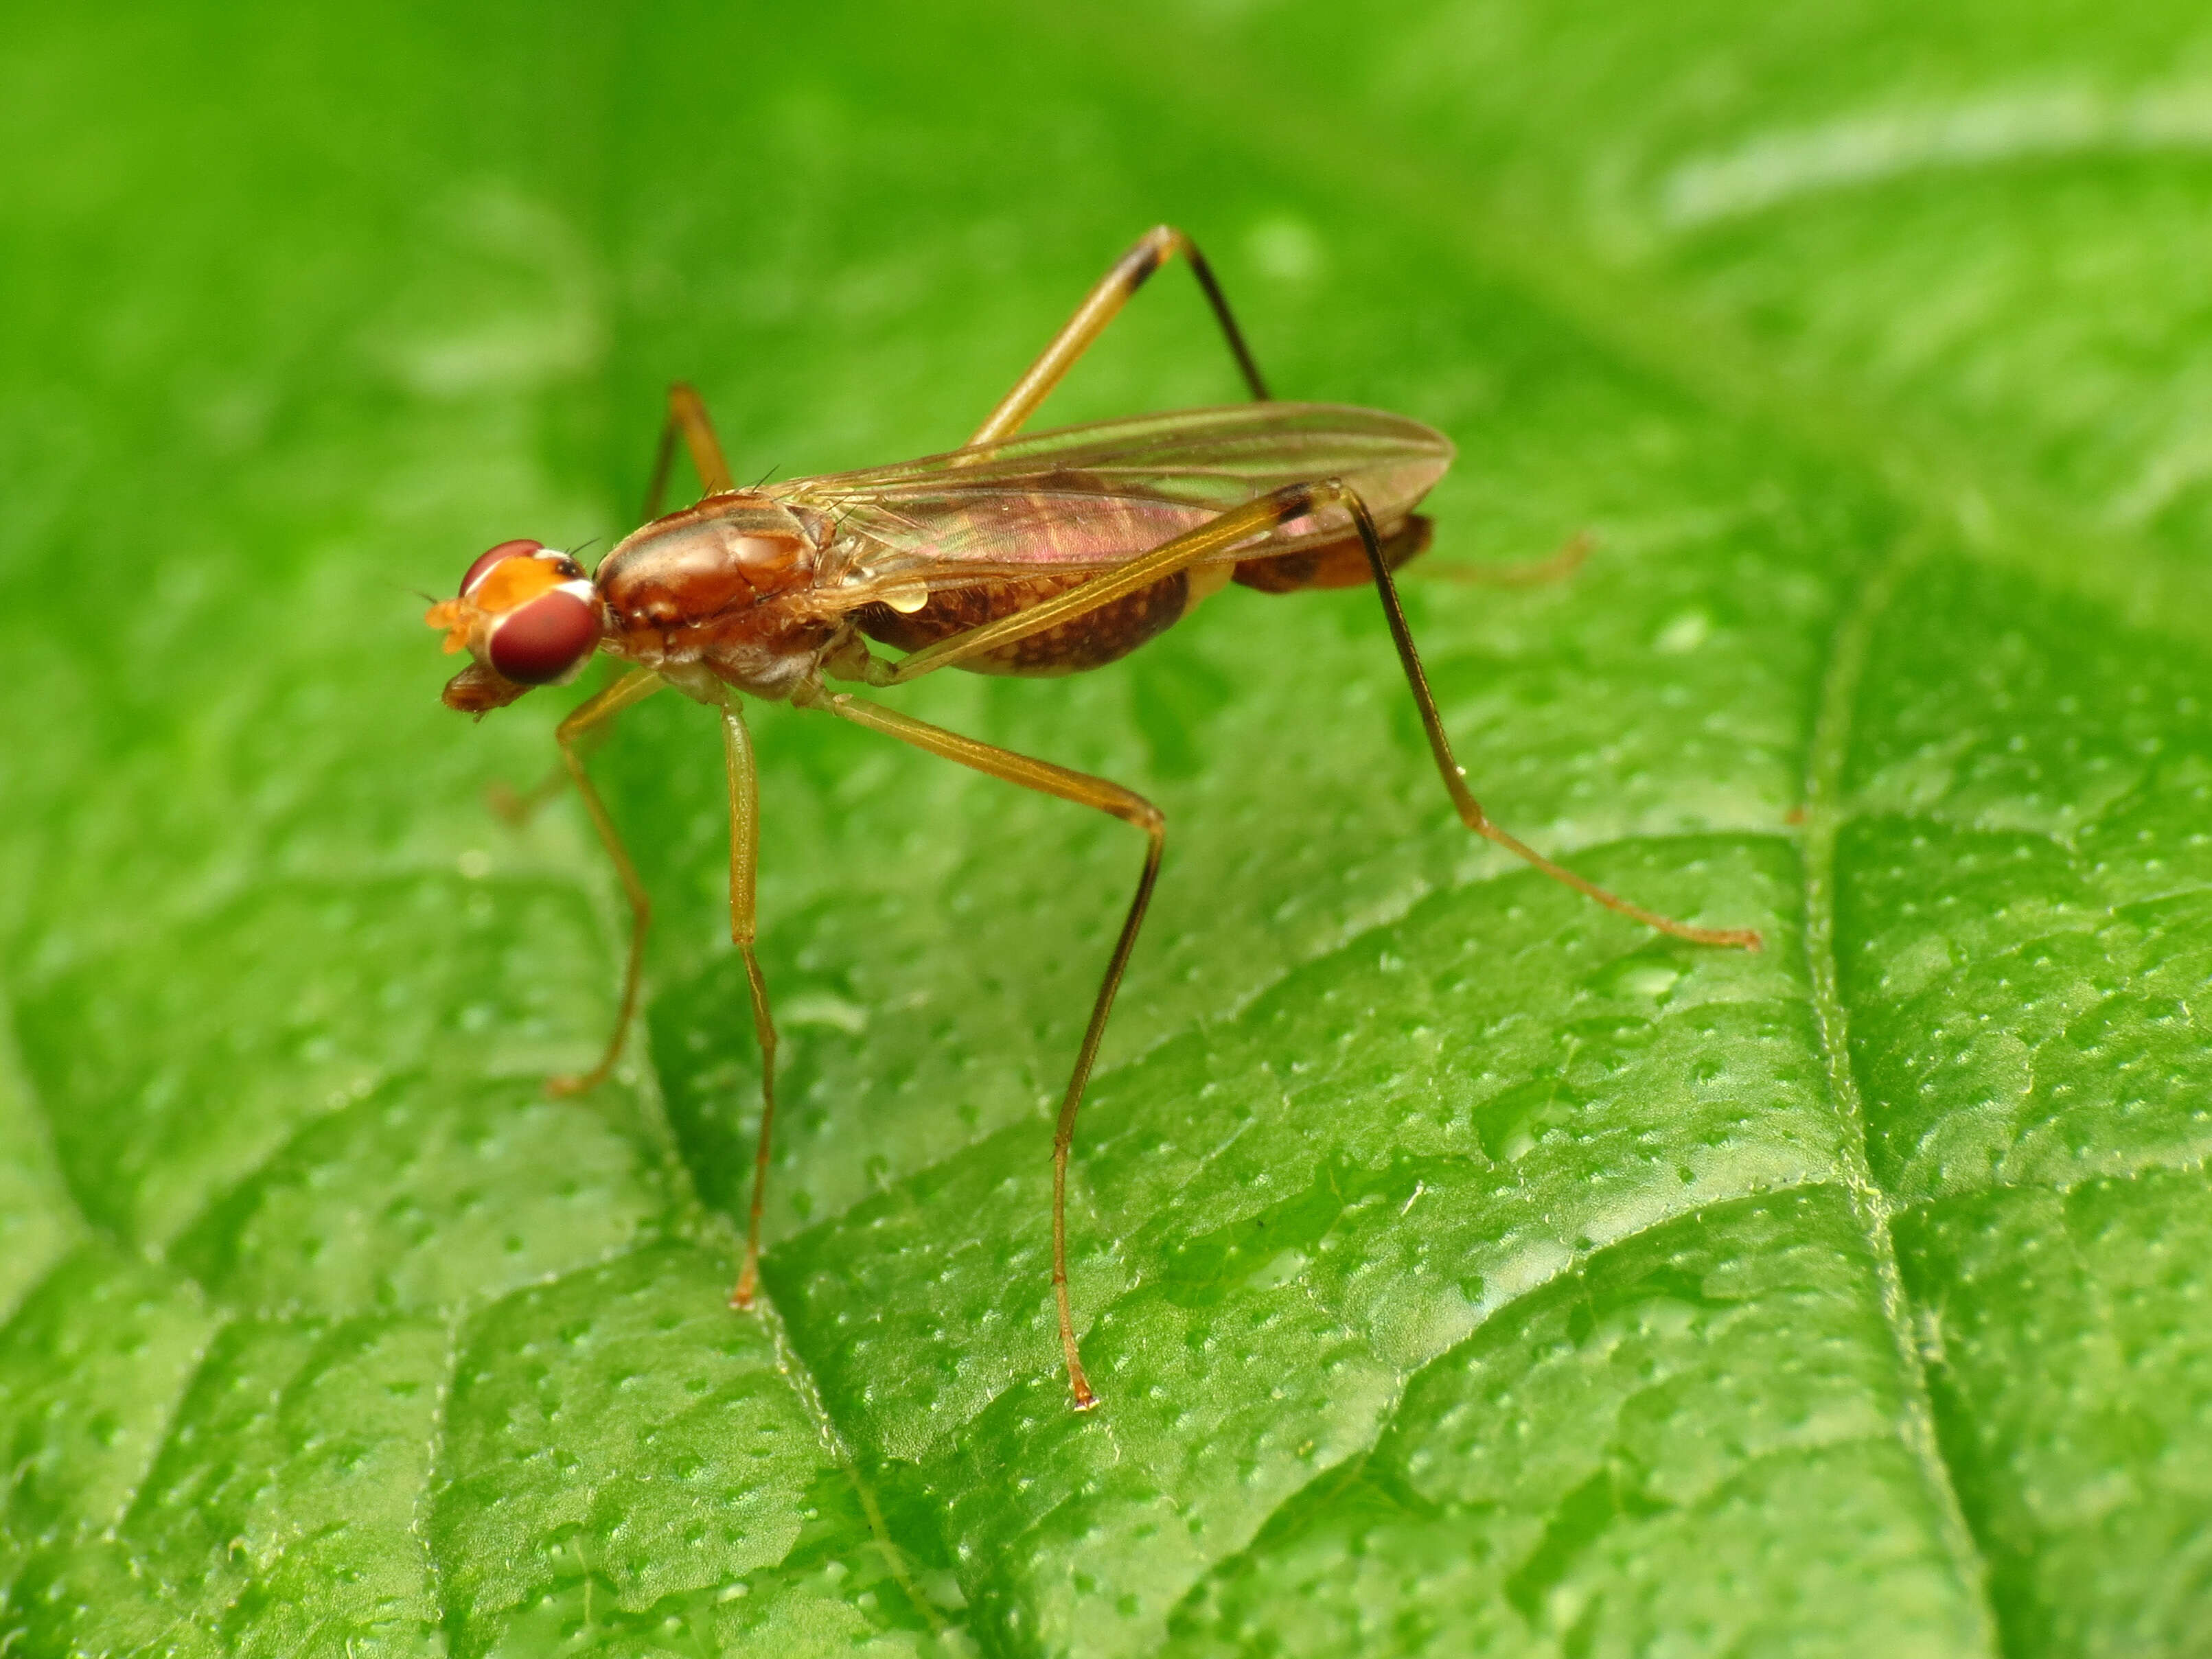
point(1464, 1270)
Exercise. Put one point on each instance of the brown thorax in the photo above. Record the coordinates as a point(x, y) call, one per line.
point(724, 593)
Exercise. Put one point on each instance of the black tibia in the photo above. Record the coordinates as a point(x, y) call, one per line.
point(1153, 249)
point(1099, 307)
point(1455, 776)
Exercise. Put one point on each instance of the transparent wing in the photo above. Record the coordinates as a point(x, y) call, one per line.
point(1091, 496)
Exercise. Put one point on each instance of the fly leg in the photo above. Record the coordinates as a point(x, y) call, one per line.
point(1212, 541)
point(1454, 775)
point(687, 414)
point(517, 806)
point(744, 860)
point(575, 734)
point(1099, 307)
point(1084, 790)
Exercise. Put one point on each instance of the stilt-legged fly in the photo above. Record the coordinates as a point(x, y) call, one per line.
point(1032, 555)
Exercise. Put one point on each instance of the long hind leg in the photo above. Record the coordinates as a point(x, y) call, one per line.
point(1231, 529)
point(1455, 776)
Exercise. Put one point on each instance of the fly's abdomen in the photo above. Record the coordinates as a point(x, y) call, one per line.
point(1089, 641)
point(1334, 564)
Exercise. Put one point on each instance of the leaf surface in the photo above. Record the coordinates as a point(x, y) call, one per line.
point(1465, 1269)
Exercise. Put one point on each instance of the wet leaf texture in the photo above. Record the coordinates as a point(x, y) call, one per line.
point(1464, 1270)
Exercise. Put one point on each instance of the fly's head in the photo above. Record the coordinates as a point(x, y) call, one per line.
point(528, 614)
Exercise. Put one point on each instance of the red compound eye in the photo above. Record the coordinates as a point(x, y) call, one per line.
point(538, 642)
point(476, 572)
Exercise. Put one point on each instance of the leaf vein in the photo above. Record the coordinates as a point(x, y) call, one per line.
point(1825, 810)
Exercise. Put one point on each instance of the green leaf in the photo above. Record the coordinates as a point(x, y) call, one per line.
point(1465, 1269)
